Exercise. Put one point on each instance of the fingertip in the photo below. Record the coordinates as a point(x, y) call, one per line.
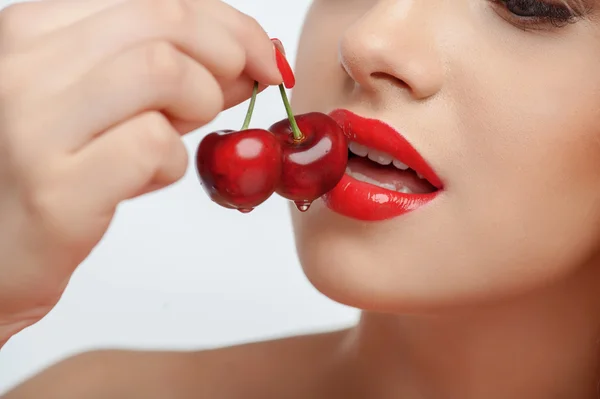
point(274, 70)
point(283, 66)
point(274, 74)
point(274, 79)
point(267, 75)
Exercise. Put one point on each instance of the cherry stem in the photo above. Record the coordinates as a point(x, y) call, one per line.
point(250, 107)
point(298, 136)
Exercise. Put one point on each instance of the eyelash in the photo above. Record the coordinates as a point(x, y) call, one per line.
point(529, 14)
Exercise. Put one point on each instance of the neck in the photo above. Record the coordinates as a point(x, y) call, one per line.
point(540, 346)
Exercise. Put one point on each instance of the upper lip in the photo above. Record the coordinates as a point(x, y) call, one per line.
point(381, 136)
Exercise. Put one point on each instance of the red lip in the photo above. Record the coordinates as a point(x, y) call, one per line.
point(365, 201)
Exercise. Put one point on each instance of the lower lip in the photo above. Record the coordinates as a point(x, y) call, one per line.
point(367, 202)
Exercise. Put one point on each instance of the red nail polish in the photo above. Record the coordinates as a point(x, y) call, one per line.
point(289, 80)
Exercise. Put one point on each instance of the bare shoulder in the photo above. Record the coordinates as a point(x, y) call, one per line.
point(289, 367)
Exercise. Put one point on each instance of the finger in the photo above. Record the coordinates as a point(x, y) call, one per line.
point(142, 154)
point(155, 76)
point(235, 92)
point(133, 22)
point(34, 19)
point(260, 55)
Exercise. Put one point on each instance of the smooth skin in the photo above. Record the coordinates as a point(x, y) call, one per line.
point(110, 108)
point(491, 291)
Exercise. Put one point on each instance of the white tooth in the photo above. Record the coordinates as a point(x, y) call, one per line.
point(360, 177)
point(380, 157)
point(358, 149)
point(420, 176)
point(400, 165)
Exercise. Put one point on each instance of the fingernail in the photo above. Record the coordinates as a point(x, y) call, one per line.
point(278, 45)
point(289, 80)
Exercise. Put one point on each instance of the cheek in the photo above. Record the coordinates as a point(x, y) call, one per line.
point(530, 181)
point(519, 143)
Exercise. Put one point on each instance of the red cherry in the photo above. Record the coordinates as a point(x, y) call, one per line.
point(301, 158)
point(315, 162)
point(239, 170)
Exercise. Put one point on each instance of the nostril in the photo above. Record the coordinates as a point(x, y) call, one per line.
point(382, 76)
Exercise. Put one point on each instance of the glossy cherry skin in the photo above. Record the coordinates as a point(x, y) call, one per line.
point(239, 169)
point(313, 166)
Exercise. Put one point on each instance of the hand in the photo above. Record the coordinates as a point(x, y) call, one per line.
point(94, 96)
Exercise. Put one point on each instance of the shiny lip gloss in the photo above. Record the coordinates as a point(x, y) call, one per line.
point(368, 202)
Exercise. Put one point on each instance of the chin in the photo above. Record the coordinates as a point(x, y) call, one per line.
point(365, 265)
point(419, 263)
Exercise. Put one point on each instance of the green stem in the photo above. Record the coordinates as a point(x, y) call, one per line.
point(250, 107)
point(298, 136)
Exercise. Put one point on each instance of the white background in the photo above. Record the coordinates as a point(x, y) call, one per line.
point(177, 271)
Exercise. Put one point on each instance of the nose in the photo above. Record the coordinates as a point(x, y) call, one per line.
point(393, 45)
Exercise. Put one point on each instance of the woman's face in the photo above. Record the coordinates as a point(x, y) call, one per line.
point(502, 99)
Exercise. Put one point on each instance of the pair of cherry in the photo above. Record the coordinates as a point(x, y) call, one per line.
point(300, 158)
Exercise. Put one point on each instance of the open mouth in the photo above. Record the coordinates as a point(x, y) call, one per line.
point(386, 177)
point(382, 170)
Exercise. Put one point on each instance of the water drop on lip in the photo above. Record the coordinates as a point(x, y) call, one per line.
point(303, 205)
point(245, 210)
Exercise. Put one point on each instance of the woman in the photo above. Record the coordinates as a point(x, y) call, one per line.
point(478, 280)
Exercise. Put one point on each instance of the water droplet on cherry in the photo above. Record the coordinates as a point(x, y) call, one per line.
point(302, 205)
point(314, 166)
point(245, 210)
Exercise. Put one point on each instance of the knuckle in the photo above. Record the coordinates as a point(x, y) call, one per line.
point(215, 101)
point(247, 25)
point(44, 194)
point(43, 204)
point(157, 137)
point(163, 63)
point(41, 200)
point(170, 12)
point(236, 62)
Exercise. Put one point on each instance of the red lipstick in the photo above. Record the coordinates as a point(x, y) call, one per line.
point(369, 202)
